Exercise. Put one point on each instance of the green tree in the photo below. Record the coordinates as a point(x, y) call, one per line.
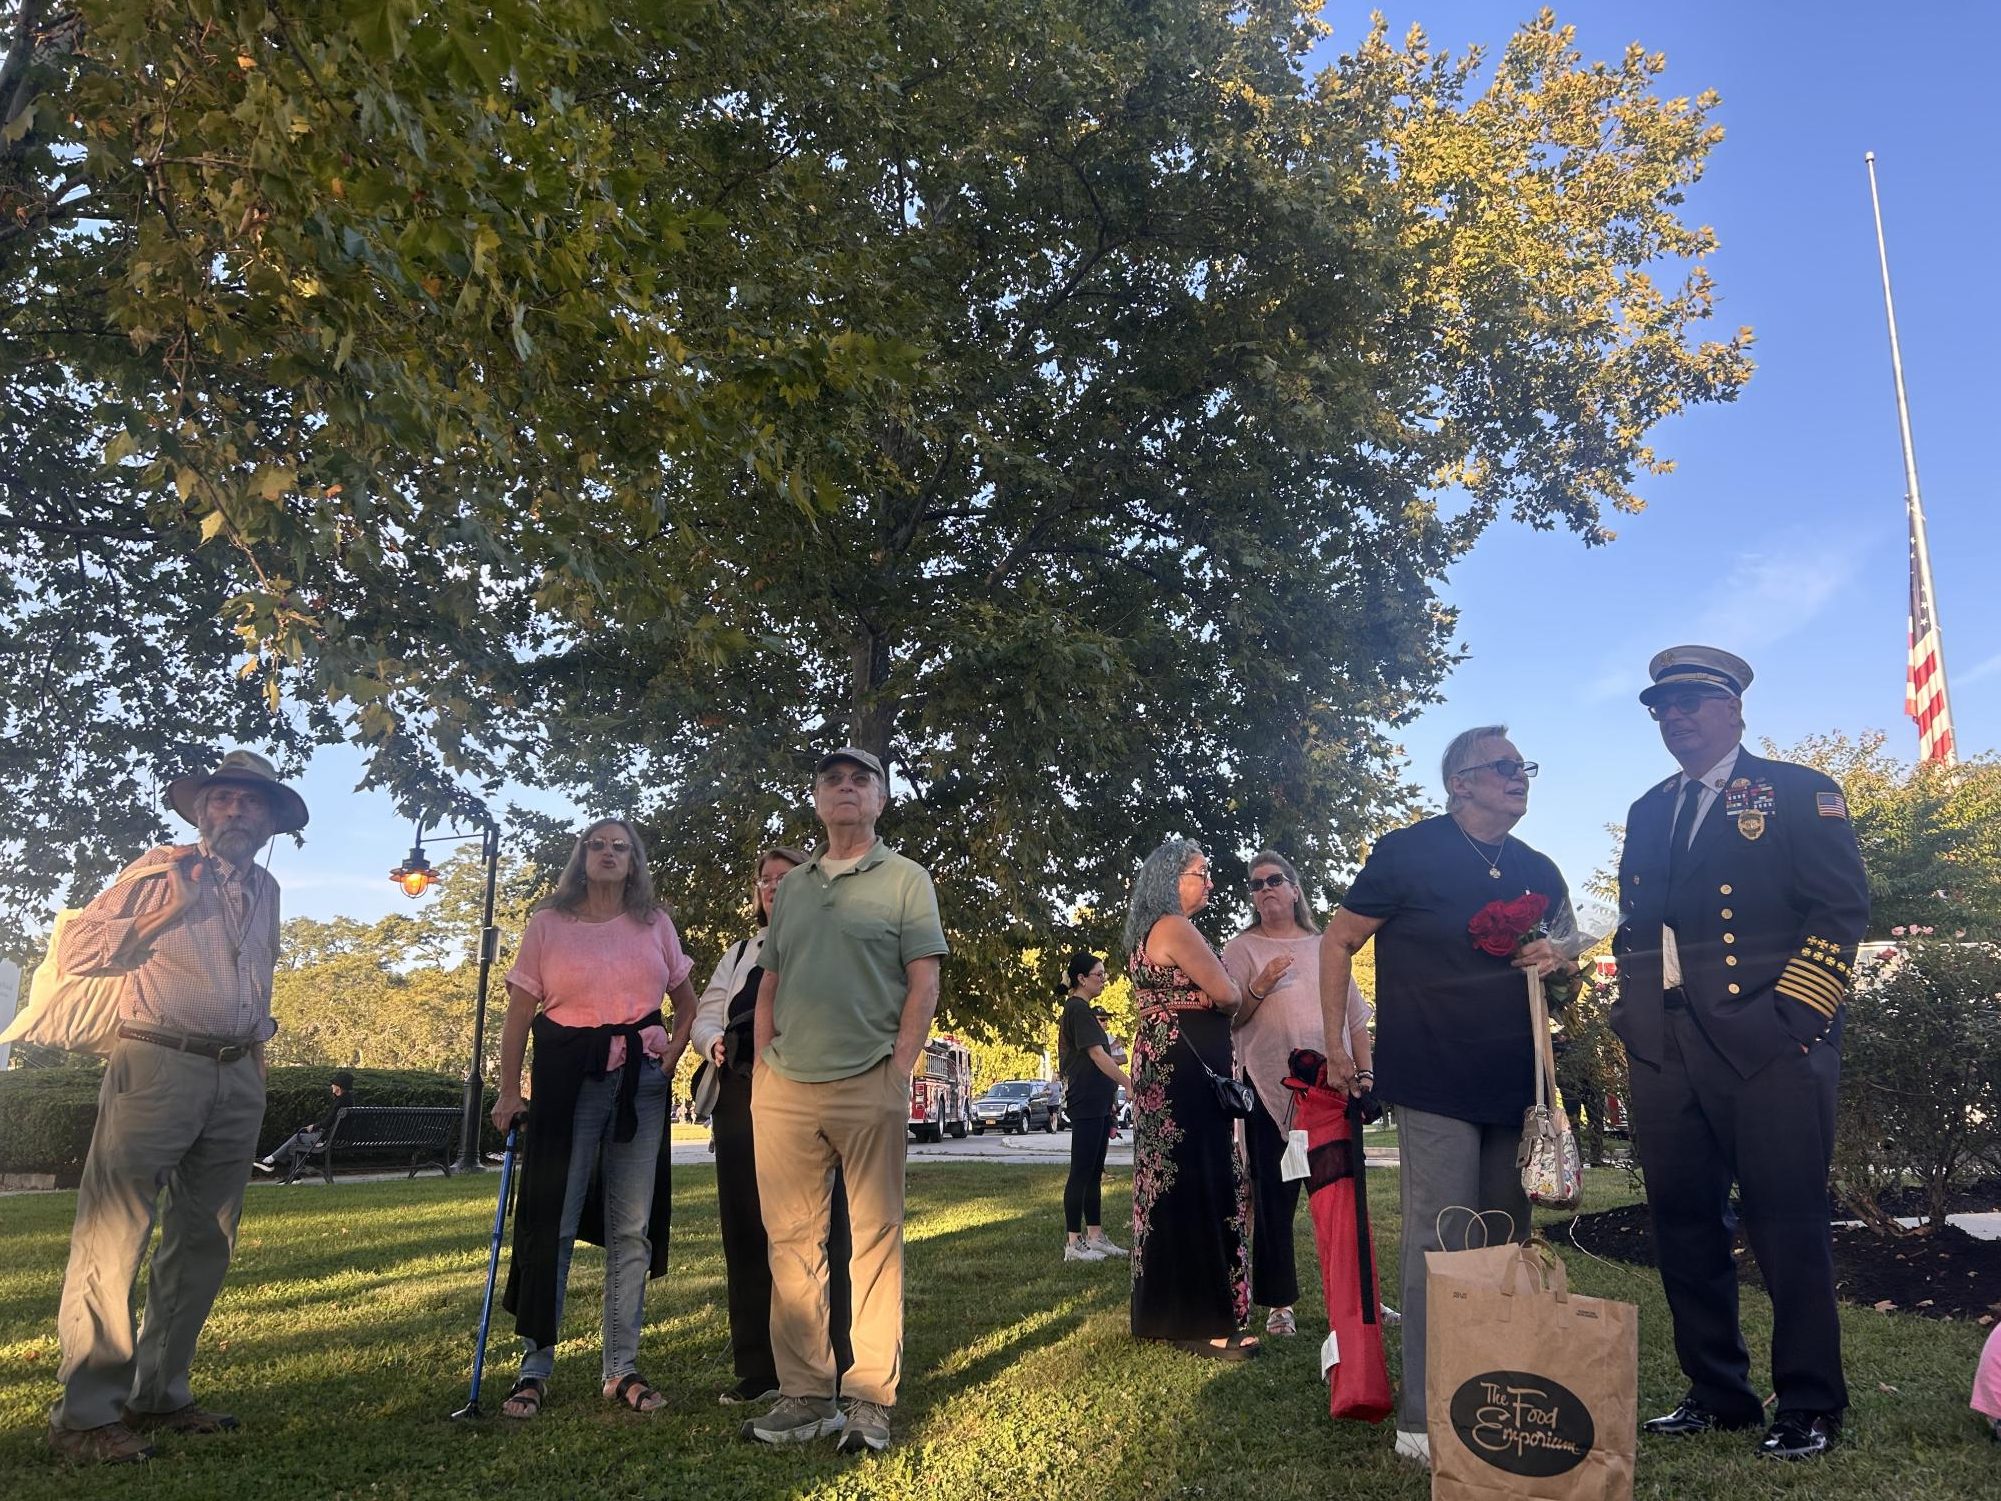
point(1930, 834)
point(1076, 404)
point(314, 320)
point(399, 992)
point(1147, 542)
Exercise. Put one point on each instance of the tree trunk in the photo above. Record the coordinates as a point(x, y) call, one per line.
point(872, 715)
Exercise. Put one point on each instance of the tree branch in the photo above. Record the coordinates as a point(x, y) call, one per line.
point(71, 529)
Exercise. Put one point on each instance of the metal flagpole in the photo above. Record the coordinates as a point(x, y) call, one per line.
point(1921, 560)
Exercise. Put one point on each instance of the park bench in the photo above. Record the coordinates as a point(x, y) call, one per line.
point(424, 1131)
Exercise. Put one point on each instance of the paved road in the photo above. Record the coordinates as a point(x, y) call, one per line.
point(1036, 1146)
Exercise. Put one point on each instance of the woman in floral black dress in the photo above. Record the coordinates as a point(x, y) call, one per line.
point(1191, 1280)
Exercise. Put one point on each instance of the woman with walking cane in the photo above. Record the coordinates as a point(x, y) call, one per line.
point(595, 961)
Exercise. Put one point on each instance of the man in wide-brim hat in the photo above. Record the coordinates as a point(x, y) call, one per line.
point(193, 931)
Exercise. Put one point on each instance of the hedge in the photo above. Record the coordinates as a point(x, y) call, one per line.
point(47, 1114)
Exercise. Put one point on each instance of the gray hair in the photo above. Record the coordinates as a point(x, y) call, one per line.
point(1301, 913)
point(573, 885)
point(1453, 762)
point(1157, 889)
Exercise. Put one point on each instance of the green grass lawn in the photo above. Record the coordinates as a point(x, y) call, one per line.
point(344, 1334)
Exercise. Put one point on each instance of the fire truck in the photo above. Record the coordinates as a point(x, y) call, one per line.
point(941, 1091)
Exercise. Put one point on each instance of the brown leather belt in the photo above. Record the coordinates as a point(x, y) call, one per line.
point(221, 1050)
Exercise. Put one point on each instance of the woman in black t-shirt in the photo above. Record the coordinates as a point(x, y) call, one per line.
point(1090, 1081)
point(1453, 1050)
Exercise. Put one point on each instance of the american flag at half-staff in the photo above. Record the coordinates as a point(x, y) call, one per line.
point(1924, 677)
point(1925, 698)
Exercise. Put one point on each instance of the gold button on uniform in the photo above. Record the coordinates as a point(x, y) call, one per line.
point(1727, 914)
point(1729, 937)
point(1733, 990)
point(1723, 891)
point(1729, 958)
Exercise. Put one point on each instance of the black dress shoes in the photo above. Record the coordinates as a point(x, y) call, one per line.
point(1690, 1418)
point(1799, 1435)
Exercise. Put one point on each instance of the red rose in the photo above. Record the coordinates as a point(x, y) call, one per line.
point(1499, 927)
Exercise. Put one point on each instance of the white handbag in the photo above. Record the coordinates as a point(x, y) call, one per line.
point(1552, 1168)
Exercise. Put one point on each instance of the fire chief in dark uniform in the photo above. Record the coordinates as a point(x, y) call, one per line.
point(1741, 900)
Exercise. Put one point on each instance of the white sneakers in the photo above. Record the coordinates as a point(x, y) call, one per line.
point(1093, 1248)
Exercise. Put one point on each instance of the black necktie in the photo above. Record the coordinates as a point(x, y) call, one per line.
point(1684, 825)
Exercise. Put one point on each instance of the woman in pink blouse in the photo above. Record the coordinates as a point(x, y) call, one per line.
point(595, 961)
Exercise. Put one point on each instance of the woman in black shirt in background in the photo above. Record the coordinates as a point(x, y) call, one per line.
point(1090, 1081)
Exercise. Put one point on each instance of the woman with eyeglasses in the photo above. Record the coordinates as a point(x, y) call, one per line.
point(1268, 1028)
point(1091, 1081)
point(598, 956)
point(1191, 1264)
point(1453, 1050)
point(724, 1018)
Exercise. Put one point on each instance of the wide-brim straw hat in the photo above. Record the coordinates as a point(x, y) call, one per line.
point(244, 769)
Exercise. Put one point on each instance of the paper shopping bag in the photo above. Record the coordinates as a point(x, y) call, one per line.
point(1531, 1391)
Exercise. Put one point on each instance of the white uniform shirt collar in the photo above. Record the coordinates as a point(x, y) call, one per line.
point(1718, 776)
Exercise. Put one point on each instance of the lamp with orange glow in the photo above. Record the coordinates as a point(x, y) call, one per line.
point(415, 874)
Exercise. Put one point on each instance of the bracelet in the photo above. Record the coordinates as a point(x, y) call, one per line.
point(1365, 1073)
point(1252, 992)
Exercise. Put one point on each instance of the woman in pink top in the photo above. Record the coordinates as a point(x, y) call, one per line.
point(1268, 1027)
point(595, 961)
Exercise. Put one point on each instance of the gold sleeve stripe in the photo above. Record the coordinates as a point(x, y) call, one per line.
point(1805, 973)
point(1811, 1004)
point(1804, 984)
point(1819, 1003)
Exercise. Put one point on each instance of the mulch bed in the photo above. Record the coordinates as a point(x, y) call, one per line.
point(1942, 1274)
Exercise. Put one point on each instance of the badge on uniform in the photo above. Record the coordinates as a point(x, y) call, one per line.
point(1750, 803)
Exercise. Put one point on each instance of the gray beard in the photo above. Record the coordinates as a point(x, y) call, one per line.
point(235, 846)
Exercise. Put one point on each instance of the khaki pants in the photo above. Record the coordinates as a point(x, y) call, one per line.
point(802, 1131)
point(165, 1120)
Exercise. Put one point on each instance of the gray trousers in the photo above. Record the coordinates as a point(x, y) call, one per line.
point(1447, 1163)
point(165, 1120)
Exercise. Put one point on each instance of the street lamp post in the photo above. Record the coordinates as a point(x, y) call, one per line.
point(415, 876)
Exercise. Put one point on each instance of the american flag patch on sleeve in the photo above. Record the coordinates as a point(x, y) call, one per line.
point(1831, 804)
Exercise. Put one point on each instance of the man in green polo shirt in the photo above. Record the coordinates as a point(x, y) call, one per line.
point(850, 985)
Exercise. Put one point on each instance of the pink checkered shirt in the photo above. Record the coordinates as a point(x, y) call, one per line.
point(210, 973)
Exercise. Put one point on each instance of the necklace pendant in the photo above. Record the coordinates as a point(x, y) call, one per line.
point(1494, 872)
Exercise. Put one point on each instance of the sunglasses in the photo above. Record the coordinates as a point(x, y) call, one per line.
point(1682, 703)
point(600, 845)
point(1505, 769)
point(1268, 883)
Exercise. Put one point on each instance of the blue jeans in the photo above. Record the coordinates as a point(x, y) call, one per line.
point(628, 1169)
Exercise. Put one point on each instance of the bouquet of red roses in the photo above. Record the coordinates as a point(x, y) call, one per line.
point(1503, 929)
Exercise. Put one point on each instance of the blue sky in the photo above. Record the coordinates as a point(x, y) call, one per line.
point(1781, 535)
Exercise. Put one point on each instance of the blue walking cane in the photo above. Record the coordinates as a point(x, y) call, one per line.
point(471, 1409)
